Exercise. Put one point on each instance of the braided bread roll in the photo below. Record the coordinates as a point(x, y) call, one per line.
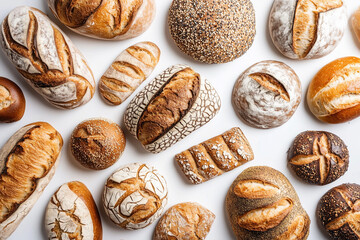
point(46, 58)
point(105, 19)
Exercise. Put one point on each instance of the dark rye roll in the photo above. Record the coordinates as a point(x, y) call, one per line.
point(173, 105)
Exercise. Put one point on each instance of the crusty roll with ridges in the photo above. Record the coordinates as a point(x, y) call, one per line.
point(74, 205)
point(174, 104)
point(332, 95)
point(12, 101)
point(46, 58)
point(215, 156)
point(27, 163)
point(105, 19)
point(128, 71)
point(261, 204)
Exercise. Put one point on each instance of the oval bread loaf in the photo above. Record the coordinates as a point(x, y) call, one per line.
point(262, 204)
point(27, 163)
point(332, 94)
point(105, 19)
point(302, 29)
point(174, 104)
point(46, 58)
point(128, 71)
point(72, 214)
point(12, 101)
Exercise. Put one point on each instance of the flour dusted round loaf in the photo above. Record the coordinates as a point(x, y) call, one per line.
point(302, 29)
point(97, 143)
point(216, 31)
point(184, 221)
point(105, 19)
point(135, 196)
point(267, 94)
point(261, 204)
point(332, 96)
point(12, 101)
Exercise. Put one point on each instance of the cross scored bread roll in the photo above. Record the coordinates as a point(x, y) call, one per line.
point(105, 19)
point(135, 196)
point(332, 95)
point(174, 104)
point(303, 29)
point(27, 163)
point(128, 71)
point(215, 156)
point(12, 101)
point(261, 204)
point(46, 58)
point(72, 214)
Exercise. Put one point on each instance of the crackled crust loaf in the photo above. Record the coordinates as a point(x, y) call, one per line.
point(307, 29)
point(27, 163)
point(105, 19)
point(261, 204)
point(46, 58)
point(184, 221)
point(12, 101)
point(72, 214)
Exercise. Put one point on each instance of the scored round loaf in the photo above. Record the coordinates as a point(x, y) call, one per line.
point(184, 221)
point(302, 29)
point(318, 157)
point(135, 196)
point(97, 143)
point(332, 96)
point(46, 58)
point(267, 94)
point(108, 19)
point(261, 204)
point(338, 211)
point(12, 101)
point(71, 212)
point(216, 31)
point(355, 22)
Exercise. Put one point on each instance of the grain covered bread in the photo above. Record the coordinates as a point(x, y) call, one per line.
point(46, 58)
point(135, 196)
point(27, 163)
point(72, 214)
point(105, 19)
point(338, 211)
point(318, 157)
point(128, 71)
point(332, 96)
point(267, 94)
point(175, 103)
point(303, 29)
point(216, 31)
point(184, 221)
point(12, 101)
point(215, 156)
point(261, 204)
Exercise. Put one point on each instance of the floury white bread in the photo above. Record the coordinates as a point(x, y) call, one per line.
point(46, 58)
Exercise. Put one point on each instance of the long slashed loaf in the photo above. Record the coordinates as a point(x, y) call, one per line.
point(27, 163)
point(46, 58)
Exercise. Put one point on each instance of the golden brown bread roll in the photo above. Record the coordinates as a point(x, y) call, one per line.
point(12, 101)
point(215, 156)
point(105, 19)
point(355, 22)
point(332, 94)
point(27, 163)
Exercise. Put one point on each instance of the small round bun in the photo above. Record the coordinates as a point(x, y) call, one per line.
point(97, 143)
point(267, 94)
point(216, 31)
point(12, 101)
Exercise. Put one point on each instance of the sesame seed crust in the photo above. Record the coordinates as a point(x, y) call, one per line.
point(212, 31)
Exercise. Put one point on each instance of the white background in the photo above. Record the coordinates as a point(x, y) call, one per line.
point(270, 146)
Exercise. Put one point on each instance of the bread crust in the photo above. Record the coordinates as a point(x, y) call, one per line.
point(12, 101)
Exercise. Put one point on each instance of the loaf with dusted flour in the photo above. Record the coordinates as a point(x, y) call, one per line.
point(46, 58)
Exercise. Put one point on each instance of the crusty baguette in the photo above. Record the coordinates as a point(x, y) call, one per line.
point(27, 163)
point(215, 156)
point(12, 101)
point(46, 58)
point(128, 71)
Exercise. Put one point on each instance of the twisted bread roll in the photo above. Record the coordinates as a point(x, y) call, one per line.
point(46, 58)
